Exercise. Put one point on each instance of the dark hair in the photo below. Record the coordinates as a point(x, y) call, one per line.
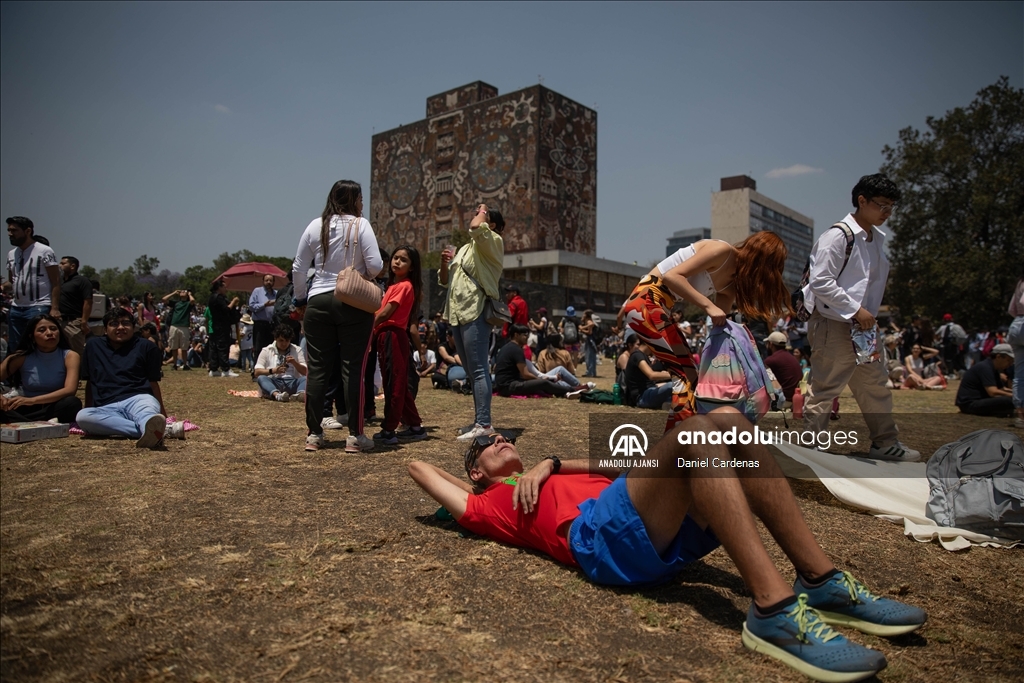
point(146, 299)
point(415, 273)
point(495, 220)
point(341, 200)
point(116, 313)
point(28, 343)
point(148, 326)
point(284, 332)
point(95, 285)
point(518, 329)
point(877, 185)
point(22, 222)
point(632, 339)
point(72, 260)
point(39, 238)
point(216, 284)
point(555, 341)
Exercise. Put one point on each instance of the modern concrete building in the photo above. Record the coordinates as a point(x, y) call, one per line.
point(684, 238)
point(739, 210)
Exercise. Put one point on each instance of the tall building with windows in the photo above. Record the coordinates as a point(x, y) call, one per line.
point(684, 238)
point(739, 210)
point(531, 154)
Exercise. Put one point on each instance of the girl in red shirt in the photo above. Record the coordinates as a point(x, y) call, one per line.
point(391, 340)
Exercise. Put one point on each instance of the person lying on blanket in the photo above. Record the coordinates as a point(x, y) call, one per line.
point(122, 392)
point(643, 526)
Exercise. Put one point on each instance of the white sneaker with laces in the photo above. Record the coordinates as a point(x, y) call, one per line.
point(330, 423)
point(897, 452)
point(230, 373)
point(478, 430)
point(314, 442)
point(153, 432)
point(175, 430)
point(281, 396)
point(358, 444)
point(214, 373)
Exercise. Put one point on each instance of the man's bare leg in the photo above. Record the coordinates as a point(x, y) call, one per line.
point(713, 497)
point(771, 499)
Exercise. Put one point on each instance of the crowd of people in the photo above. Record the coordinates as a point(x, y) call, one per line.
point(332, 347)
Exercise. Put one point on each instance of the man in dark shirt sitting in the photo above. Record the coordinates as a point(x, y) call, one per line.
point(511, 376)
point(645, 386)
point(782, 363)
point(982, 391)
point(122, 394)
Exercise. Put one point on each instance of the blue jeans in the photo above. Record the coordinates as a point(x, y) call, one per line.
point(655, 397)
point(124, 418)
point(17, 320)
point(558, 375)
point(590, 357)
point(456, 372)
point(1016, 340)
point(289, 385)
point(245, 359)
point(472, 341)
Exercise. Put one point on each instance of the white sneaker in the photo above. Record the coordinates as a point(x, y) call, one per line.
point(896, 452)
point(591, 385)
point(282, 396)
point(330, 423)
point(153, 433)
point(300, 396)
point(576, 392)
point(358, 444)
point(478, 430)
point(175, 430)
point(214, 373)
point(314, 442)
point(230, 373)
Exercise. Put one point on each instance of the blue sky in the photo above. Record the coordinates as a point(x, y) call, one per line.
point(185, 130)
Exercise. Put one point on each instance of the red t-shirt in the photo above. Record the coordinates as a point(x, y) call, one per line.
point(402, 294)
point(490, 513)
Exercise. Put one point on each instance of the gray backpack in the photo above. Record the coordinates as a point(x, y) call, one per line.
point(977, 484)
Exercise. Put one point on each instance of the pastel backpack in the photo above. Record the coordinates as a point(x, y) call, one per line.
point(732, 374)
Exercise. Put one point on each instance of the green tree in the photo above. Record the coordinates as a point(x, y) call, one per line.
point(88, 271)
point(958, 236)
point(145, 265)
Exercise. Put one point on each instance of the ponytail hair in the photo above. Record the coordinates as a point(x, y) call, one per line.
point(343, 199)
point(760, 290)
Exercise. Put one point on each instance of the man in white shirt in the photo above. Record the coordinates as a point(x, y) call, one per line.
point(842, 292)
point(281, 368)
point(33, 271)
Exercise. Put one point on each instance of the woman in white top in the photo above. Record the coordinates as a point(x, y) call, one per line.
point(712, 275)
point(915, 364)
point(336, 332)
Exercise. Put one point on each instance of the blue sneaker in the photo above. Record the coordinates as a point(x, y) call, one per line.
point(844, 601)
point(386, 437)
point(799, 638)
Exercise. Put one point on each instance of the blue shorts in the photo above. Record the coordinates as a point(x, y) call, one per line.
point(611, 544)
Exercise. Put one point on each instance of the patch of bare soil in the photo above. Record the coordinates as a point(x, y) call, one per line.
point(234, 556)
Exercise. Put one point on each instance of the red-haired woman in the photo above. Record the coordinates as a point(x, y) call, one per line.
point(712, 275)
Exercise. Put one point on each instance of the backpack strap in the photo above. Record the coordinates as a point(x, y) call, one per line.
point(849, 244)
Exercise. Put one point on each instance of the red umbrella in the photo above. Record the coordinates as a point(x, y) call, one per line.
point(245, 277)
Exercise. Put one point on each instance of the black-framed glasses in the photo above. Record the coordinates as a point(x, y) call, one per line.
point(885, 208)
point(481, 443)
point(121, 323)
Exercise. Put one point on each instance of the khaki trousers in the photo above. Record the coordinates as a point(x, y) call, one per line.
point(75, 335)
point(833, 366)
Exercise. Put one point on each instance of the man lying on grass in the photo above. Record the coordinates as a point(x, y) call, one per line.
point(644, 526)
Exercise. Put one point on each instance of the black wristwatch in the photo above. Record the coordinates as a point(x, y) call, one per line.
point(558, 463)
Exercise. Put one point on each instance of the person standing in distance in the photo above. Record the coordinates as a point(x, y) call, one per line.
point(471, 276)
point(33, 272)
point(75, 304)
point(261, 306)
point(841, 292)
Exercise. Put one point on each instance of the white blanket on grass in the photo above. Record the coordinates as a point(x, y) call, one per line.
point(894, 491)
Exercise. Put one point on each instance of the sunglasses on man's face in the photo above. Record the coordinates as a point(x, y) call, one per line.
point(481, 443)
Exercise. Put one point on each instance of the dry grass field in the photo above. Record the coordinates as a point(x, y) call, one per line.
point(235, 556)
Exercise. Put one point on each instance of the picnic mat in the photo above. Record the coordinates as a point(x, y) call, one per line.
point(893, 491)
point(189, 426)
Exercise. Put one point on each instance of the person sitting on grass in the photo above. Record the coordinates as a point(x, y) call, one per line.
point(915, 366)
point(641, 527)
point(982, 390)
point(513, 377)
point(281, 368)
point(554, 356)
point(122, 391)
point(556, 373)
point(644, 387)
point(454, 375)
point(46, 370)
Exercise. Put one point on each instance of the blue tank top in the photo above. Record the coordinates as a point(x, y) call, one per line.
point(42, 373)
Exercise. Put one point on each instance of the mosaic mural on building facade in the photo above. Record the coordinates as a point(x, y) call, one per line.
point(531, 154)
